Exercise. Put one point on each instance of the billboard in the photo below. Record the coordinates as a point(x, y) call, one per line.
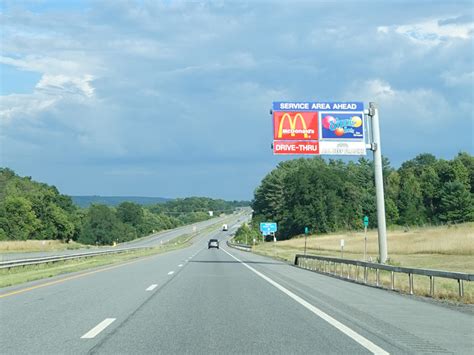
point(295, 125)
point(333, 128)
point(342, 126)
point(295, 147)
point(342, 148)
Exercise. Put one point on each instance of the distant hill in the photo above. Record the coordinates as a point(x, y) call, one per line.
point(86, 201)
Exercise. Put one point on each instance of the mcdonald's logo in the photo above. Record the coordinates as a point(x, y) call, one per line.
point(295, 125)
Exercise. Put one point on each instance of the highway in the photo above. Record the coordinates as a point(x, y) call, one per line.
point(148, 241)
point(221, 301)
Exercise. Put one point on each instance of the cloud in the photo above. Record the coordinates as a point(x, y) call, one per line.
point(433, 32)
point(458, 79)
point(417, 120)
point(462, 19)
point(180, 91)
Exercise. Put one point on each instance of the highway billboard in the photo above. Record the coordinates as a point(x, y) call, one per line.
point(332, 128)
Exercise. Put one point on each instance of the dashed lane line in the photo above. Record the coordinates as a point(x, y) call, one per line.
point(151, 287)
point(98, 328)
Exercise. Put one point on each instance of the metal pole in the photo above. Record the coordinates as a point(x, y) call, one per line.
point(305, 237)
point(382, 229)
point(365, 243)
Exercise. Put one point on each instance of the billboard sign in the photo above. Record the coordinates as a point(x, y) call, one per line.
point(342, 126)
point(295, 125)
point(342, 148)
point(332, 128)
point(295, 147)
point(267, 228)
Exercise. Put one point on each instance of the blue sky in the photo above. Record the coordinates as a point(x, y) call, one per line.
point(172, 98)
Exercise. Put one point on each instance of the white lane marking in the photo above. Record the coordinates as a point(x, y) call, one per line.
point(366, 343)
point(171, 273)
point(180, 265)
point(98, 328)
point(151, 287)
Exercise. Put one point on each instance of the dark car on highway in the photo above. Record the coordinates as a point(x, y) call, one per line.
point(213, 243)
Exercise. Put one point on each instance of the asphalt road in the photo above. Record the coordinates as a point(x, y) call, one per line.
point(220, 301)
point(149, 241)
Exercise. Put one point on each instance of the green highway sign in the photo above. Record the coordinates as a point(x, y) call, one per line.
point(366, 221)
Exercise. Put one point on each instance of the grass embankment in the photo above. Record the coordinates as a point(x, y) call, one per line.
point(18, 275)
point(38, 245)
point(448, 248)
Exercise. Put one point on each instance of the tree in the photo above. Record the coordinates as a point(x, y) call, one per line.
point(456, 203)
point(17, 219)
point(101, 226)
point(130, 213)
point(410, 204)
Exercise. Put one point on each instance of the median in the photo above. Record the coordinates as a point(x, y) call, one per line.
point(21, 274)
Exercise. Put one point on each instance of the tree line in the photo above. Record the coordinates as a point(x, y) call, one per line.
point(332, 195)
point(34, 210)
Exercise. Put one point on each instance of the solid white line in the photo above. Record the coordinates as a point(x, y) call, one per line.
point(180, 265)
point(151, 287)
point(171, 273)
point(98, 328)
point(366, 343)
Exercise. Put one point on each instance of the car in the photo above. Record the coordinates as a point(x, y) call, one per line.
point(225, 227)
point(213, 243)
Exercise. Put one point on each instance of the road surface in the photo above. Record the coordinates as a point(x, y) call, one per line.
point(221, 301)
point(149, 241)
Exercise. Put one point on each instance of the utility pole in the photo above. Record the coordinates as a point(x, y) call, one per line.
point(376, 148)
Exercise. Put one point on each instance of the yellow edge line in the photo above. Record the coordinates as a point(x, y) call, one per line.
point(72, 277)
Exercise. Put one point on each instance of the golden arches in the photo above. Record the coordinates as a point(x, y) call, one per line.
point(292, 121)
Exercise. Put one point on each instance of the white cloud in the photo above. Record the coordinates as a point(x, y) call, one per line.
point(49, 92)
point(420, 107)
point(23, 106)
point(62, 84)
point(45, 64)
point(431, 33)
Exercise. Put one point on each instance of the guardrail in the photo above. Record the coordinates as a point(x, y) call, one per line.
point(239, 246)
point(52, 259)
point(328, 265)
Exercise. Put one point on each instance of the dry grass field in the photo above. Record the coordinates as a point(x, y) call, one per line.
point(37, 245)
point(443, 248)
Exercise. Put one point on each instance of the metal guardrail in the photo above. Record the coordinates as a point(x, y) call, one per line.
point(51, 259)
point(328, 265)
point(239, 246)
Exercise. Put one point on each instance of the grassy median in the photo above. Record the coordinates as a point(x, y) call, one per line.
point(448, 248)
point(18, 275)
point(18, 246)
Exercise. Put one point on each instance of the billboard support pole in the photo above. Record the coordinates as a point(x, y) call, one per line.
point(382, 228)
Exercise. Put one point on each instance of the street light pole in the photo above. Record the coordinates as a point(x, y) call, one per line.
point(382, 228)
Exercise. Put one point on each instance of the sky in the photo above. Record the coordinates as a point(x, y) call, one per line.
point(172, 98)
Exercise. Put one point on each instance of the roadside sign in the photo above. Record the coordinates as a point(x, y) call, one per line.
point(295, 147)
point(332, 128)
point(288, 125)
point(342, 243)
point(306, 230)
point(267, 228)
point(366, 221)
